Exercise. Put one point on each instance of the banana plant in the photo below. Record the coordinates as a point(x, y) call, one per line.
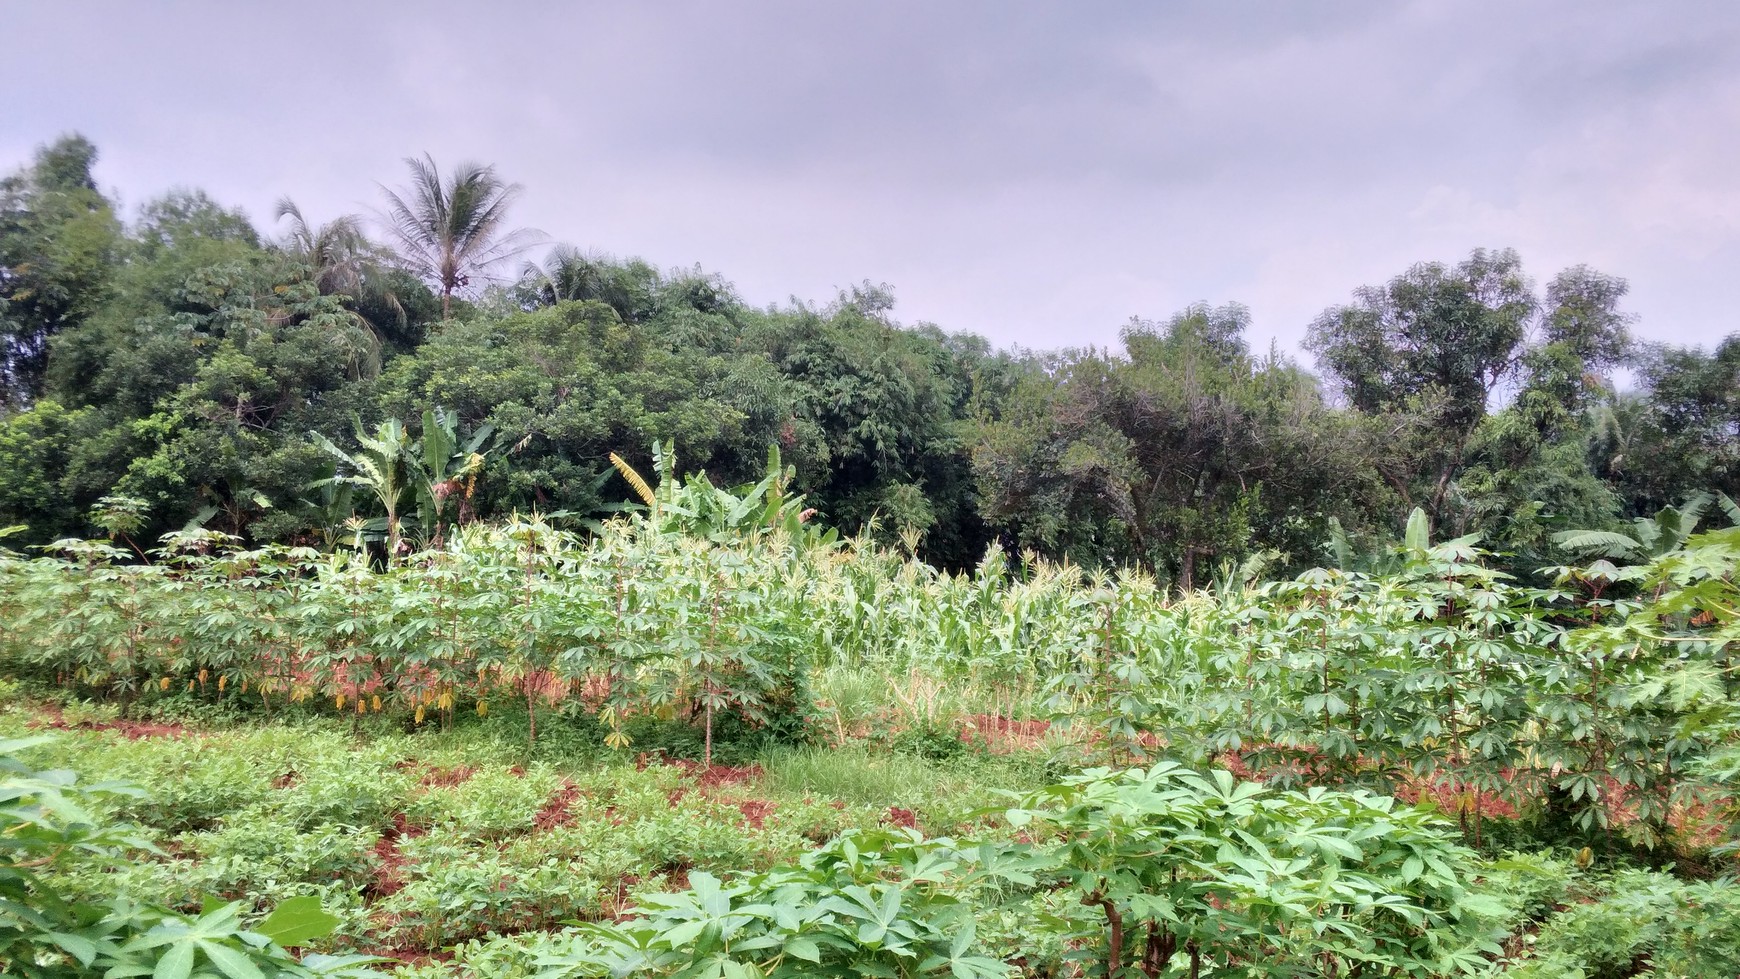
point(693, 505)
point(380, 467)
point(1650, 537)
point(403, 472)
point(445, 466)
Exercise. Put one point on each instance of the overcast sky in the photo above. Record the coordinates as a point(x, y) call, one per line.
point(1035, 173)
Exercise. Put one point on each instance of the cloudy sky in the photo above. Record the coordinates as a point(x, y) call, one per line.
point(1034, 172)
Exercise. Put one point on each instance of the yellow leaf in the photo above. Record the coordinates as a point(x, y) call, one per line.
point(419, 718)
point(634, 480)
point(163, 684)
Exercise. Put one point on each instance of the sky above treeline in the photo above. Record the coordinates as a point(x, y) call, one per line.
point(1036, 173)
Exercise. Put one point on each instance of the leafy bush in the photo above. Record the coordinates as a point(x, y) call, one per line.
point(1674, 929)
point(883, 903)
point(254, 855)
point(462, 892)
point(490, 802)
point(1530, 885)
point(1170, 866)
point(49, 829)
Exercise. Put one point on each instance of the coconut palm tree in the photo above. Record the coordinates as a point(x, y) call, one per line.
point(450, 231)
point(630, 287)
point(568, 273)
point(343, 262)
point(337, 252)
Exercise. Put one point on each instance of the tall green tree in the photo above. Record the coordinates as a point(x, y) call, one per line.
point(1183, 452)
point(1424, 353)
point(1425, 358)
point(59, 243)
point(876, 417)
point(1529, 469)
point(451, 230)
point(191, 384)
point(1680, 434)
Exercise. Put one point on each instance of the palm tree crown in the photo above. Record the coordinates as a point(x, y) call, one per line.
point(337, 252)
point(451, 231)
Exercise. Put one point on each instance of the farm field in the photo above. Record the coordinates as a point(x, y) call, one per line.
point(870, 491)
point(662, 751)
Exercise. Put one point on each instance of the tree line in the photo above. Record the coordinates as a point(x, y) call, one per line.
point(308, 383)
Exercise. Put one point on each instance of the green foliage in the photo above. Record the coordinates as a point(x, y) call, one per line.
point(1176, 873)
point(1188, 450)
point(1530, 885)
point(49, 823)
point(1674, 929)
point(1676, 435)
point(181, 360)
point(1421, 357)
point(58, 247)
point(884, 903)
point(1442, 676)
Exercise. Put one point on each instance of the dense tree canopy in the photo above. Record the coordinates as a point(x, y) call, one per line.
point(186, 359)
point(58, 243)
point(1183, 450)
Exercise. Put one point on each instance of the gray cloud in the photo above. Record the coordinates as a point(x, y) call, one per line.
point(1034, 172)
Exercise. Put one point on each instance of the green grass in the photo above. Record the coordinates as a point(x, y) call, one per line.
point(266, 810)
point(942, 793)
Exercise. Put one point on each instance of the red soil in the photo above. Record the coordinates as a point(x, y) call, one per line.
point(1699, 824)
point(904, 818)
point(755, 811)
point(998, 733)
point(1449, 796)
point(557, 811)
point(717, 775)
point(389, 861)
point(447, 777)
point(132, 730)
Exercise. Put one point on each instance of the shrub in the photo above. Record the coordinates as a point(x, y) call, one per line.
point(1679, 930)
point(50, 830)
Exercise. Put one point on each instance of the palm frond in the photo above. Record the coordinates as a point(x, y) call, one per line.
point(1605, 543)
